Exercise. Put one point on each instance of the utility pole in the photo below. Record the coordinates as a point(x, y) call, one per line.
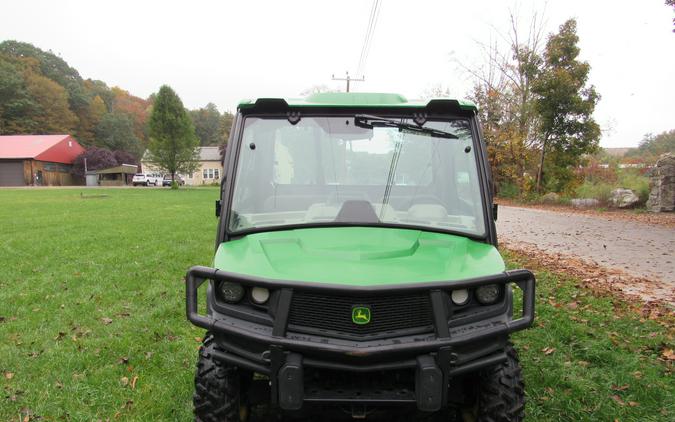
point(348, 79)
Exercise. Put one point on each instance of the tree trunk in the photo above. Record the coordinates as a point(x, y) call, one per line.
point(540, 173)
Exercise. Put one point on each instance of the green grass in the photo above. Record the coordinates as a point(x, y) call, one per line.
point(91, 297)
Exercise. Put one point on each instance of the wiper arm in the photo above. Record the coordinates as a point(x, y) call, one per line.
point(368, 122)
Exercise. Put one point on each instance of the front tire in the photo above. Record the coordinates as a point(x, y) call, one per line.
point(217, 396)
point(500, 392)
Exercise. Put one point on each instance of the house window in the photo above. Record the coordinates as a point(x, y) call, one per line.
point(206, 173)
point(210, 173)
point(216, 174)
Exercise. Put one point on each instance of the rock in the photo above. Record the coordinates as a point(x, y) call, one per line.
point(550, 198)
point(662, 185)
point(584, 202)
point(624, 198)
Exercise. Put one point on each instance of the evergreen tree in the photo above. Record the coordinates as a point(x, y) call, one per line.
point(173, 143)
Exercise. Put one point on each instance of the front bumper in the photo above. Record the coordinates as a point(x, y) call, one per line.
point(274, 350)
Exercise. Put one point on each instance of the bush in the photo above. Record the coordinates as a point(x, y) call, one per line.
point(600, 191)
point(509, 190)
point(633, 180)
point(174, 184)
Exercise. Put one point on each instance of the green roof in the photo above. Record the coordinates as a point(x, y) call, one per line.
point(356, 99)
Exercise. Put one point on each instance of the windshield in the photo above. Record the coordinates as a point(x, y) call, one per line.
point(331, 170)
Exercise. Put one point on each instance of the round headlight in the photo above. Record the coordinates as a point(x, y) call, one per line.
point(231, 292)
point(460, 296)
point(488, 294)
point(260, 295)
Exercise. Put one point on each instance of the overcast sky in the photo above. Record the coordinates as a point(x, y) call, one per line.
point(221, 52)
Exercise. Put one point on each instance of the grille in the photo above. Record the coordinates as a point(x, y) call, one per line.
point(312, 312)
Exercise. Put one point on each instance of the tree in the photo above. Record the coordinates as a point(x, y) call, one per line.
point(136, 108)
point(565, 106)
point(52, 114)
point(207, 124)
point(173, 143)
point(96, 159)
point(652, 146)
point(90, 119)
point(116, 132)
point(503, 92)
point(16, 105)
point(671, 3)
point(226, 121)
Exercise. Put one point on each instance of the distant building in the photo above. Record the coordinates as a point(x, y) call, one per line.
point(41, 160)
point(617, 152)
point(209, 170)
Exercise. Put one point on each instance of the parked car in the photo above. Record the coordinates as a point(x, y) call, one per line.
point(147, 179)
point(167, 180)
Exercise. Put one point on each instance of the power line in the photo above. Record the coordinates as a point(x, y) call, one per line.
point(365, 49)
point(374, 10)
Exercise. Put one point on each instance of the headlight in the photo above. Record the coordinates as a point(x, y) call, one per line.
point(460, 296)
point(489, 294)
point(260, 295)
point(231, 292)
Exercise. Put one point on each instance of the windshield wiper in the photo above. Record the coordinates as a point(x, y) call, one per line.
point(368, 122)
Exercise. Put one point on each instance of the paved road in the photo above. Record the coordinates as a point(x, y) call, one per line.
point(639, 249)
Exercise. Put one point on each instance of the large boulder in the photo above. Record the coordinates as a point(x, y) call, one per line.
point(662, 185)
point(624, 198)
point(550, 198)
point(584, 202)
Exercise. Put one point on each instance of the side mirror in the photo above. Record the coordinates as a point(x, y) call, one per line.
point(217, 207)
point(495, 211)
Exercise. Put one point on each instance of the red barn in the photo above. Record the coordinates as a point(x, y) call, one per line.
point(37, 159)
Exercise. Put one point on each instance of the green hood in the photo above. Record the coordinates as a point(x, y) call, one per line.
point(358, 256)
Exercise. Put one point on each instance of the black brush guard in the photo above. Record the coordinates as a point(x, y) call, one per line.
point(434, 361)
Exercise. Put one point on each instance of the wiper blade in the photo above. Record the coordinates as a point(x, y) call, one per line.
point(368, 122)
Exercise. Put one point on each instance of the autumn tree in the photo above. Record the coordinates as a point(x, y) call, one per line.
point(89, 120)
point(52, 114)
point(565, 106)
point(503, 92)
point(173, 143)
point(137, 109)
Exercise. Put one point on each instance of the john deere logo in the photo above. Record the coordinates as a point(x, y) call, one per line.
point(360, 315)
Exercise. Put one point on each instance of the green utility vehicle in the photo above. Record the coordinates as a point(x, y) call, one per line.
point(356, 268)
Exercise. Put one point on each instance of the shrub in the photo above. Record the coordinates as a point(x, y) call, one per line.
point(638, 183)
point(509, 190)
point(600, 191)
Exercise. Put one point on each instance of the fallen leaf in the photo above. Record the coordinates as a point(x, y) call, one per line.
point(123, 360)
point(9, 375)
point(198, 339)
point(620, 387)
point(633, 403)
point(133, 382)
point(124, 381)
point(668, 354)
point(618, 400)
point(548, 350)
point(573, 305)
point(106, 320)
point(59, 384)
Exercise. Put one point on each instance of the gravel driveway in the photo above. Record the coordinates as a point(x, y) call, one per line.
point(639, 249)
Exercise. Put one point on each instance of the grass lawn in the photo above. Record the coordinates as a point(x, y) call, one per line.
point(92, 322)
